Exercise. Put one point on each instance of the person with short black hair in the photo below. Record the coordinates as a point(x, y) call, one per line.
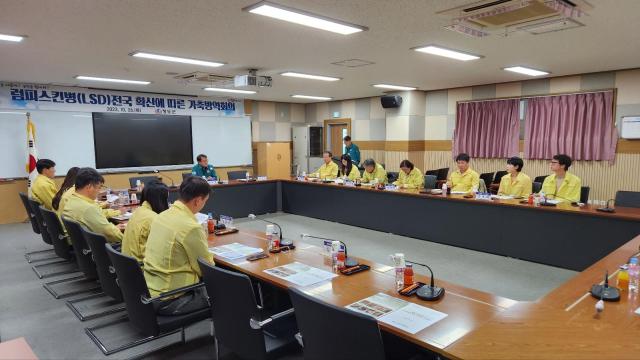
point(515, 183)
point(153, 200)
point(202, 168)
point(328, 170)
point(83, 208)
point(464, 179)
point(409, 177)
point(44, 189)
point(562, 185)
point(176, 241)
point(352, 150)
point(348, 169)
point(374, 172)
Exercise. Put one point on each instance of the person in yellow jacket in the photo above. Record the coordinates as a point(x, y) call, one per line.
point(44, 188)
point(328, 170)
point(515, 183)
point(374, 172)
point(176, 241)
point(410, 177)
point(348, 169)
point(562, 185)
point(464, 179)
point(82, 206)
point(154, 200)
point(67, 187)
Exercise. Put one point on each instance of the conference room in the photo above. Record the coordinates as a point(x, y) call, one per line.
point(319, 179)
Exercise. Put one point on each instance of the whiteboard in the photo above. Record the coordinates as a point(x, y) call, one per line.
point(630, 128)
point(67, 138)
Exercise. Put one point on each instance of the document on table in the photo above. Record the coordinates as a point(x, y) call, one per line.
point(398, 313)
point(300, 274)
point(459, 192)
point(502, 197)
point(553, 201)
point(234, 251)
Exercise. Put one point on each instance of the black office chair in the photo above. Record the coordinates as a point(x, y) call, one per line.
point(584, 194)
point(236, 175)
point(47, 254)
point(77, 284)
point(432, 172)
point(430, 182)
point(392, 176)
point(536, 187)
point(81, 249)
point(141, 307)
point(107, 276)
point(143, 179)
point(443, 174)
point(186, 175)
point(628, 199)
point(32, 217)
point(58, 266)
point(540, 179)
point(498, 177)
point(237, 317)
point(331, 332)
point(488, 178)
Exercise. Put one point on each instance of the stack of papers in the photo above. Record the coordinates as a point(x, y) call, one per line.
point(300, 274)
point(234, 251)
point(459, 192)
point(398, 313)
point(502, 197)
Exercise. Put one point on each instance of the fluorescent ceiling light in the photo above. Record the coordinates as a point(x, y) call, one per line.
point(453, 54)
point(311, 97)
point(175, 59)
point(13, 113)
point(300, 17)
point(394, 87)
point(526, 71)
point(234, 91)
point(11, 38)
point(312, 77)
point(93, 78)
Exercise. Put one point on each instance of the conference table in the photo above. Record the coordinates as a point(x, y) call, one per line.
point(561, 324)
point(564, 236)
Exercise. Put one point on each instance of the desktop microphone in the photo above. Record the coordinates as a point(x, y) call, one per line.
point(604, 292)
point(431, 292)
point(348, 262)
point(283, 242)
point(607, 208)
point(165, 175)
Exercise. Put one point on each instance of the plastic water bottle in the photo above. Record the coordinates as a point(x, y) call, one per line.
point(634, 275)
point(444, 188)
point(246, 175)
point(335, 249)
point(269, 232)
point(398, 260)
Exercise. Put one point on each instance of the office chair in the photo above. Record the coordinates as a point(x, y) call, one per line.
point(536, 187)
point(59, 265)
point(331, 332)
point(430, 182)
point(432, 172)
point(488, 178)
point(498, 176)
point(392, 176)
point(237, 317)
point(628, 199)
point(143, 179)
point(107, 277)
point(540, 179)
point(584, 194)
point(236, 175)
point(48, 254)
point(141, 307)
point(443, 174)
point(186, 175)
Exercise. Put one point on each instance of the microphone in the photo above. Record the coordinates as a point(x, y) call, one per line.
point(165, 175)
point(431, 292)
point(607, 208)
point(348, 262)
point(604, 292)
point(283, 242)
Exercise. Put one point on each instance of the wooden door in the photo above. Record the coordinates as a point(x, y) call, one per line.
point(338, 132)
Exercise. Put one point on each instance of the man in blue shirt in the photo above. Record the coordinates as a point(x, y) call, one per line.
point(202, 168)
point(352, 149)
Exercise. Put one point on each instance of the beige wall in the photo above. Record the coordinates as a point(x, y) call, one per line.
point(12, 210)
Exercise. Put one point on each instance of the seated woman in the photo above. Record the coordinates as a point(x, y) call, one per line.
point(154, 200)
point(410, 177)
point(348, 169)
point(515, 183)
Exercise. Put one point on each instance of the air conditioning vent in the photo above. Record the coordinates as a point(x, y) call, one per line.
point(550, 26)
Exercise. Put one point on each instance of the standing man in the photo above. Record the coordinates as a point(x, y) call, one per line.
point(44, 189)
point(464, 179)
point(352, 150)
point(175, 243)
point(562, 185)
point(202, 168)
